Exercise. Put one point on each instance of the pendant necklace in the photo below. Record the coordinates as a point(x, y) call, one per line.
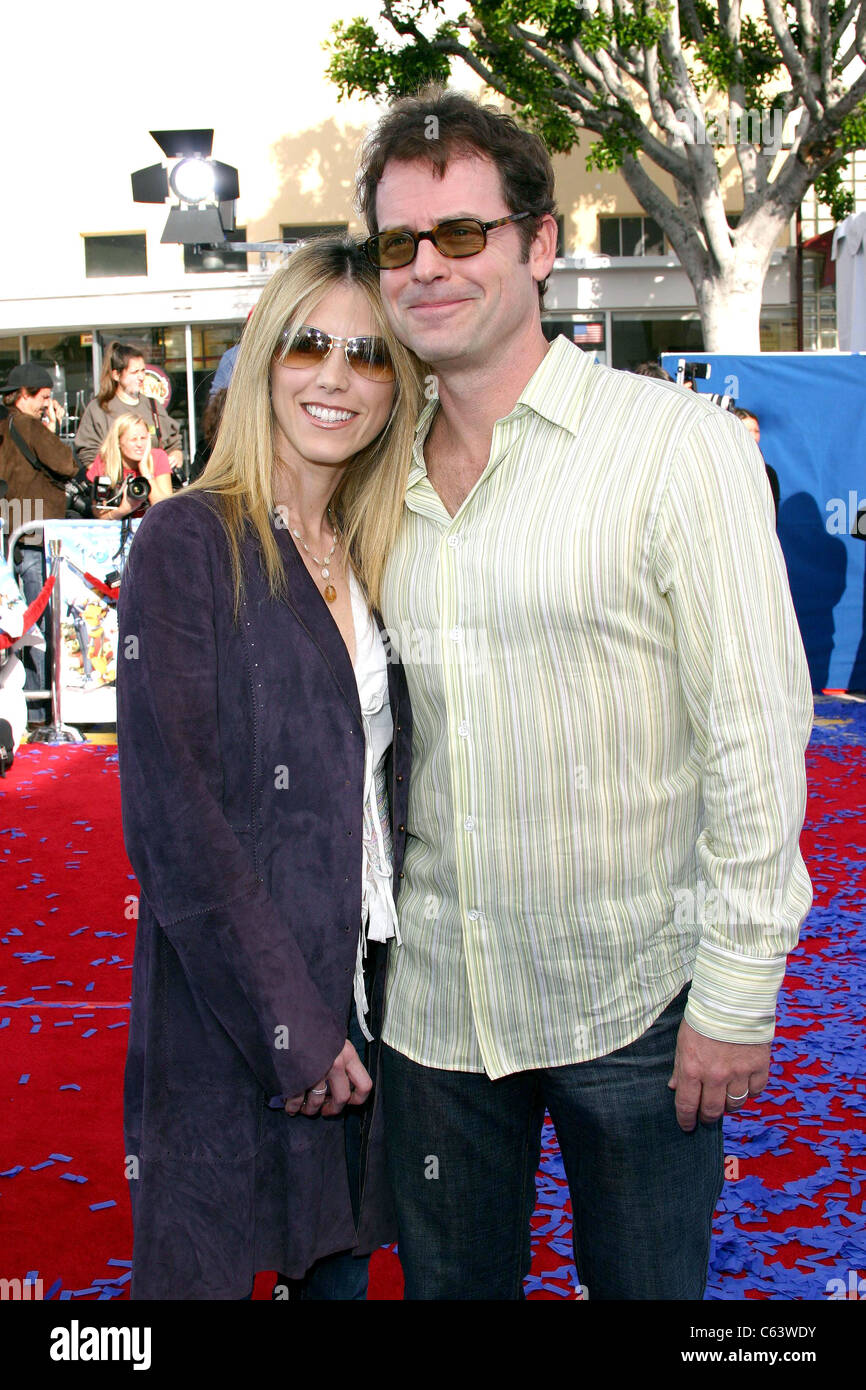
point(324, 565)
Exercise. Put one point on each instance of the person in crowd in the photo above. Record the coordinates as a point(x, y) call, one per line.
point(750, 420)
point(213, 414)
point(120, 393)
point(128, 452)
point(263, 737)
point(226, 365)
point(602, 876)
point(35, 466)
point(652, 369)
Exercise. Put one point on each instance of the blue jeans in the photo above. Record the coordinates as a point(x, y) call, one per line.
point(463, 1153)
point(30, 574)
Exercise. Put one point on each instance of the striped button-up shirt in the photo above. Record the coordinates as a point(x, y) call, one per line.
point(611, 705)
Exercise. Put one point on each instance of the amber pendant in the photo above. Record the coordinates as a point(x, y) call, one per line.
point(330, 593)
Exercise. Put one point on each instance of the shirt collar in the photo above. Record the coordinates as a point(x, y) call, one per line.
point(551, 392)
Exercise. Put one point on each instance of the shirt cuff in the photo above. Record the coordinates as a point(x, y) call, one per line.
point(733, 997)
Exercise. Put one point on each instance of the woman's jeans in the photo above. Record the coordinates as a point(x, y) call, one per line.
point(463, 1153)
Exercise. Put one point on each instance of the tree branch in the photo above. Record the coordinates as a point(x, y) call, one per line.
point(683, 234)
point(793, 61)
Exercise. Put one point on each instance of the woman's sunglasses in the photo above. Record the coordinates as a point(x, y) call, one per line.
point(309, 347)
point(458, 237)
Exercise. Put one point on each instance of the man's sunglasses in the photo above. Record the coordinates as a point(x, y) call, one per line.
point(458, 237)
point(309, 347)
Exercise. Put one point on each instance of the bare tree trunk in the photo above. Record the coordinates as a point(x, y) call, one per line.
point(730, 305)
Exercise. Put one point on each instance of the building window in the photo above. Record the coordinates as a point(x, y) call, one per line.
point(630, 236)
point(816, 217)
point(115, 255)
point(640, 338)
point(210, 259)
point(305, 231)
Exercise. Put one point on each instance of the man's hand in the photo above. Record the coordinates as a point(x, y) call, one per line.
point(710, 1076)
point(53, 415)
point(347, 1083)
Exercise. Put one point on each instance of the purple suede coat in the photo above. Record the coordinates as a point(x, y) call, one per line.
point(241, 763)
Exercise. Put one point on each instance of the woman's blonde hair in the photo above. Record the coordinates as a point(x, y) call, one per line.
point(109, 449)
point(368, 501)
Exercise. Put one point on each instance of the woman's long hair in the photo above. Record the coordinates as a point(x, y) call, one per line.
point(368, 500)
point(110, 452)
point(117, 358)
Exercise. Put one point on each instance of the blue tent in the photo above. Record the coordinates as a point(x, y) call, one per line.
point(812, 411)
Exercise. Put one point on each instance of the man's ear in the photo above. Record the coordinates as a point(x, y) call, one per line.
point(542, 252)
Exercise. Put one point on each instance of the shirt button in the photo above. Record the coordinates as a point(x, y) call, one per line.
point(453, 541)
point(474, 914)
point(399, 777)
point(455, 634)
point(463, 729)
point(469, 823)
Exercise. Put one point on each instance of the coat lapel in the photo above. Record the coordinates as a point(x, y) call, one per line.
point(393, 677)
point(311, 611)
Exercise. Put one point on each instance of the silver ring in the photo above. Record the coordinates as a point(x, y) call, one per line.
point(742, 1097)
point(322, 1092)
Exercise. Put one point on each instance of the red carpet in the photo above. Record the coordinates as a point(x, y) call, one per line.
point(67, 940)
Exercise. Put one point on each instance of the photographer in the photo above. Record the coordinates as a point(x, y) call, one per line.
point(129, 473)
point(120, 393)
point(750, 420)
point(35, 466)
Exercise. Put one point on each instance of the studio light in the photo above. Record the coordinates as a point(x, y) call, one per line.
point(205, 188)
point(192, 180)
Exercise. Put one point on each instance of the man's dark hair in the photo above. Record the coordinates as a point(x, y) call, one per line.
point(651, 369)
point(11, 398)
point(437, 125)
point(743, 414)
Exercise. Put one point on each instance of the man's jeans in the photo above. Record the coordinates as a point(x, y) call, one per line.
point(30, 574)
point(463, 1153)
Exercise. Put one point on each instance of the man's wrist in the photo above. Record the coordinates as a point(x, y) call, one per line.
point(733, 997)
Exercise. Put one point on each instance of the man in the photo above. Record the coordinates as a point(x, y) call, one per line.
point(34, 465)
point(611, 704)
point(752, 424)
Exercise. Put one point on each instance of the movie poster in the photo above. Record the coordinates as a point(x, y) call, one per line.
point(90, 550)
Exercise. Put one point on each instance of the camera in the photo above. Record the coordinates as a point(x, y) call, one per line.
point(692, 371)
point(106, 493)
point(78, 496)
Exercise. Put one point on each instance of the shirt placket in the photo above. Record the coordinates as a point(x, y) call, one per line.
point(463, 646)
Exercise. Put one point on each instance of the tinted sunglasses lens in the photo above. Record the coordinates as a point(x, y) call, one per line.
point(370, 358)
point(462, 237)
point(391, 249)
point(305, 349)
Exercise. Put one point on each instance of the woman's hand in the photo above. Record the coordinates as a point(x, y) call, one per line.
point(347, 1083)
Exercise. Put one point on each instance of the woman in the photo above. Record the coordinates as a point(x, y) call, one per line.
point(254, 707)
point(128, 452)
point(120, 394)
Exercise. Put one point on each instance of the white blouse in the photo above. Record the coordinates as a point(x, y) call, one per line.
point(378, 912)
